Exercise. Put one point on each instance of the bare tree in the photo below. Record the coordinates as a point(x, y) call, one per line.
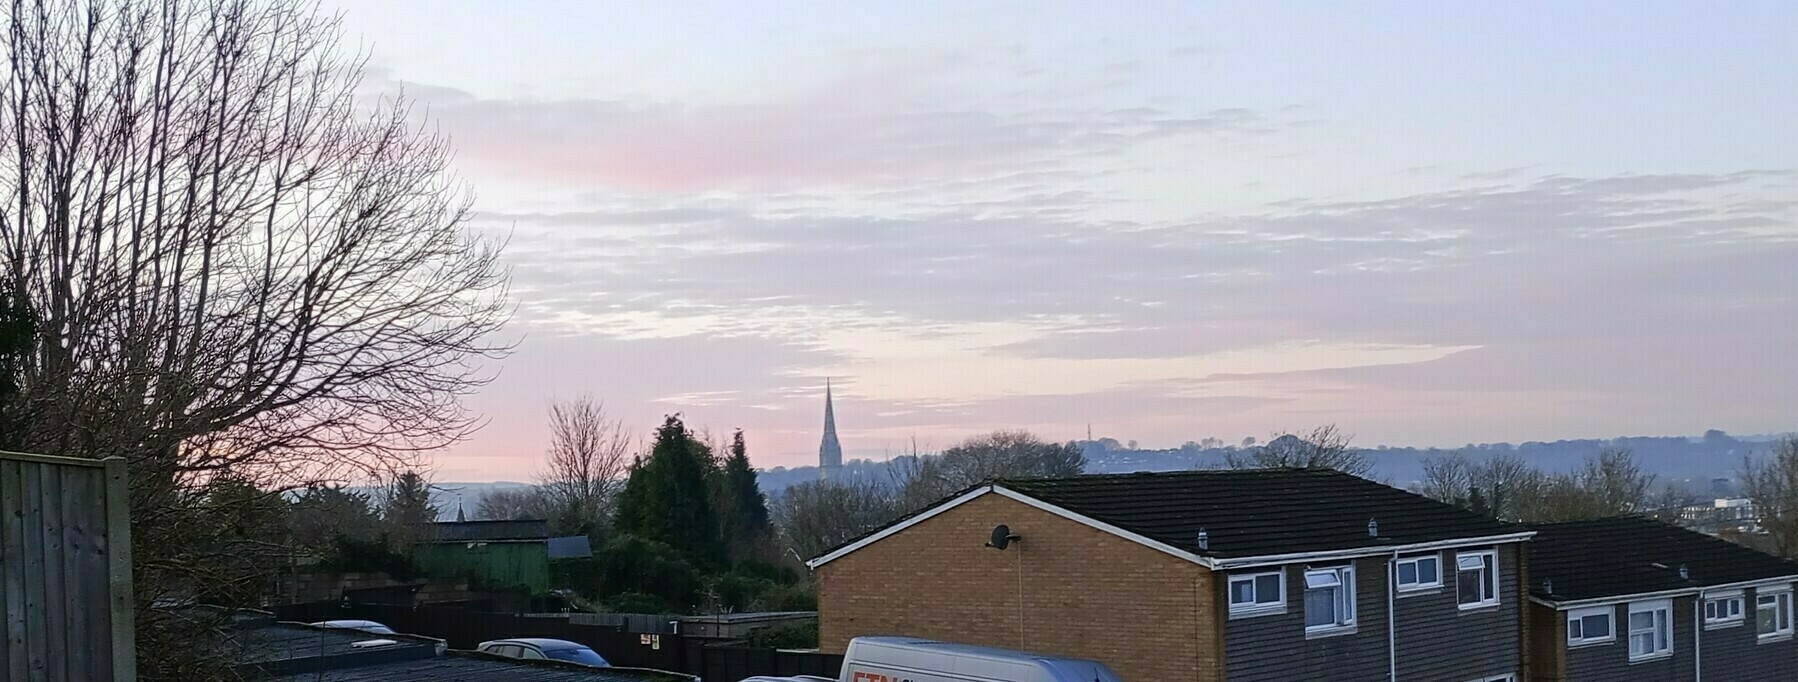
point(1449, 478)
point(238, 266)
point(1772, 482)
point(512, 504)
point(925, 479)
point(1324, 447)
point(816, 516)
point(588, 455)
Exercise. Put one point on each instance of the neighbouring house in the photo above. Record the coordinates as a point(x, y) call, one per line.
point(1636, 599)
point(491, 554)
point(1281, 574)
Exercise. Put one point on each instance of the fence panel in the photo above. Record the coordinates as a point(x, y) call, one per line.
point(65, 570)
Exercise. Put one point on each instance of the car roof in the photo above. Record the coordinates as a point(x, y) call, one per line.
point(347, 622)
point(540, 642)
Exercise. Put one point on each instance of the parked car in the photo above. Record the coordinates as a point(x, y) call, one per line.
point(538, 648)
point(363, 625)
point(922, 660)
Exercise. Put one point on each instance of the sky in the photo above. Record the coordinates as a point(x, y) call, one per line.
point(1427, 223)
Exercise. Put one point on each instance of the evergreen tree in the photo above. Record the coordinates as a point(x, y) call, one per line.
point(744, 514)
point(1476, 501)
point(668, 499)
point(18, 340)
point(407, 510)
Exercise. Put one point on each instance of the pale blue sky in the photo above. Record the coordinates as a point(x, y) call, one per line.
point(1427, 222)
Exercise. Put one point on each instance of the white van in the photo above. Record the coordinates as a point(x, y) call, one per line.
point(906, 659)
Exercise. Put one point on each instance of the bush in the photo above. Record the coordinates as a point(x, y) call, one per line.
point(739, 592)
point(350, 555)
point(784, 575)
point(638, 602)
point(632, 564)
point(800, 636)
point(800, 597)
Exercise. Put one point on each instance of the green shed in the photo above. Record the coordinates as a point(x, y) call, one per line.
point(500, 554)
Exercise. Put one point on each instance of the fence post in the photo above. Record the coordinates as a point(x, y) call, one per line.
point(118, 554)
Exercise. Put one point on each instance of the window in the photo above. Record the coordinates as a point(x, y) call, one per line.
point(1773, 613)
point(1723, 610)
point(1329, 599)
point(1498, 678)
point(1420, 572)
point(1476, 579)
point(1650, 629)
point(1591, 626)
point(1257, 593)
point(529, 652)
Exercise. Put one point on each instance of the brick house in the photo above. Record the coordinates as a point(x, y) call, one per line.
point(1636, 599)
point(1208, 575)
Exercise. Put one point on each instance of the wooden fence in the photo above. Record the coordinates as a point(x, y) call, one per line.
point(65, 570)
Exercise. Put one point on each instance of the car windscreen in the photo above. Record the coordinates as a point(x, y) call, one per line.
point(578, 655)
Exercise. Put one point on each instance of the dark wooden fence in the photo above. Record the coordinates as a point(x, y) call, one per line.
point(464, 629)
point(65, 570)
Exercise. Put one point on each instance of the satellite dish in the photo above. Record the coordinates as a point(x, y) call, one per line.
point(1002, 537)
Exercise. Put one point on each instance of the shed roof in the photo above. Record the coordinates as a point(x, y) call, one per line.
point(1617, 557)
point(490, 531)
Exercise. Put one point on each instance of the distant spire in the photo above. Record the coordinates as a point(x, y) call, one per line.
point(460, 517)
point(830, 452)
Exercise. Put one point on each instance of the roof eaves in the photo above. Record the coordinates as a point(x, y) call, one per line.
point(1357, 552)
point(1564, 604)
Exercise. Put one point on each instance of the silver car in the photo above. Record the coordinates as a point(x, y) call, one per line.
point(362, 625)
point(538, 648)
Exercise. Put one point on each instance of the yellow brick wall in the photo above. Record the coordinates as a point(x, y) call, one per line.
point(1083, 593)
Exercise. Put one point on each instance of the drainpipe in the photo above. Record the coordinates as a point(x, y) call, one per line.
point(1698, 637)
point(1392, 616)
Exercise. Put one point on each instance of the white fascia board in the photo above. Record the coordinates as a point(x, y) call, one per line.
point(884, 533)
point(1019, 497)
point(1664, 594)
point(1362, 552)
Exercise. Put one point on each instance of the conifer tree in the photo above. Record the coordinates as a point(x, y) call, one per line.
point(668, 499)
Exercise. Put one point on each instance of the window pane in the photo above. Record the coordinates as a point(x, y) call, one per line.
point(1710, 610)
point(1320, 607)
point(1322, 579)
point(1467, 587)
point(1574, 630)
point(1469, 563)
point(1267, 589)
point(1242, 592)
point(1426, 570)
point(1785, 612)
point(1765, 622)
point(1488, 577)
point(1407, 573)
point(1641, 620)
point(1597, 626)
point(1661, 631)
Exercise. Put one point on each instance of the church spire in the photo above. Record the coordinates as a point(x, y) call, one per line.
point(830, 452)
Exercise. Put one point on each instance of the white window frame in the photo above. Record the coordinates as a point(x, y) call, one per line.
point(1719, 612)
point(1578, 616)
point(1662, 610)
point(1344, 605)
point(1258, 607)
point(1491, 565)
point(1418, 586)
point(1780, 596)
point(1507, 677)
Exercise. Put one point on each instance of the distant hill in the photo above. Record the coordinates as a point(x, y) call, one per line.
point(1699, 461)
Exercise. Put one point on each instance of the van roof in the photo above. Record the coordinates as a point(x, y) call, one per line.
point(914, 644)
